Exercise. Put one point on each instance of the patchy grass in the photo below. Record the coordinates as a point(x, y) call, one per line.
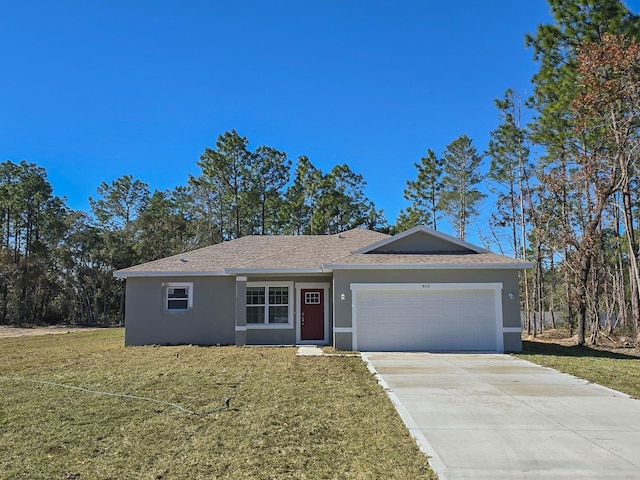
point(290, 417)
point(329, 350)
point(616, 370)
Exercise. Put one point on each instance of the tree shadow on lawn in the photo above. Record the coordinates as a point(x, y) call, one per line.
point(541, 348)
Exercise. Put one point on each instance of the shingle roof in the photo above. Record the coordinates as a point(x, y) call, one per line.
point(307, 253)
point(283, 252)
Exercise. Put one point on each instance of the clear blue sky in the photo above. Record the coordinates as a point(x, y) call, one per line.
point(92, 90)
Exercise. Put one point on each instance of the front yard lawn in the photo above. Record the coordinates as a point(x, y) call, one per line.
point(615, 370)
point(289, 417)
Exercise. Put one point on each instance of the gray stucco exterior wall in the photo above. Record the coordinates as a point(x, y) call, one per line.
point(512, 342)
point(342, 341)
point(219, 306)
point(210, 321)
point(342, 280)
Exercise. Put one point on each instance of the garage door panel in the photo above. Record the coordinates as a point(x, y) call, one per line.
point(387, 308)
point(398, 341)
point(426, 320)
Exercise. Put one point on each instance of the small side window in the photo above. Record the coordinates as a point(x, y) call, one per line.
point(179, 297)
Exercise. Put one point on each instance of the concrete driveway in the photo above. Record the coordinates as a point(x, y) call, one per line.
point(486, 416)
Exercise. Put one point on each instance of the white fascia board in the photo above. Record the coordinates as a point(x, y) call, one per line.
point(355, 287)
point(433, 266)
point(342, 329)
point(430, 231)
point(259, 271)
point(168, 274)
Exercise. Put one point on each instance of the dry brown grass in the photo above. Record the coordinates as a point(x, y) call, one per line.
point(607, 343)
point(290, 417)
point(11, 332)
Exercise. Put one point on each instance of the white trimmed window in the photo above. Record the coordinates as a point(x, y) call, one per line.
point(178, 297)
point(269, 304)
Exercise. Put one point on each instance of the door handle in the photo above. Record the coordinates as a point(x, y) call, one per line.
point(302, 318)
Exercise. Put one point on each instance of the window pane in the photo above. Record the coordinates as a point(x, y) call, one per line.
point(312, 298)
point(178, 292)
point(255, 314)
point(278, 295)
point(255, 296)
point(177, 304)
point(279, 314)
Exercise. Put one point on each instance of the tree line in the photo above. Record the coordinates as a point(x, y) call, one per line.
point(56, 264)
point(560, 169)
point(563, 174)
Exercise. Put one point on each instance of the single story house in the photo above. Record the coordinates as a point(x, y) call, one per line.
point(419, 290)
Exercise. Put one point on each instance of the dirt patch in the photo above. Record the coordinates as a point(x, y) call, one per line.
point(617, 344)
point(9, 332)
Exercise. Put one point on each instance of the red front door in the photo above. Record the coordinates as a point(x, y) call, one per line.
point(312, 314)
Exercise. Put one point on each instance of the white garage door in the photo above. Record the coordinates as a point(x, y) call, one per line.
point(431, 320)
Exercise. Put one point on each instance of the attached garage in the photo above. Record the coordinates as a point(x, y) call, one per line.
point(427, 317)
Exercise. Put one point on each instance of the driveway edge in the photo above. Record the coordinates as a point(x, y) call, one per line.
point(584, 381)
point(436, 464)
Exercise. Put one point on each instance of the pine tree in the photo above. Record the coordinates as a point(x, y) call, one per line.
point(424, 194)
point(228, 170)
point(509, 171)
point(460, 197)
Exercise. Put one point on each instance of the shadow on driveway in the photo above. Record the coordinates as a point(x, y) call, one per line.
point(541, 348)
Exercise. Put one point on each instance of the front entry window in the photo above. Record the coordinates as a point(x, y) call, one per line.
point(256, 303)
point(312, 298)
point(278, 305)
point(268, 304)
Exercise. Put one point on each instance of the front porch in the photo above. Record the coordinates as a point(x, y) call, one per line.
point(283, 311)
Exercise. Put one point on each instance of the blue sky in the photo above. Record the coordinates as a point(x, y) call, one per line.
point(94, 90)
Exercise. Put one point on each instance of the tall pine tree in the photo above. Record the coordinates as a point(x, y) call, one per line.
point(424, 194)
point(460, 198)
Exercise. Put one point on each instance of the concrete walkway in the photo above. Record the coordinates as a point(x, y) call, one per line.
point(485, 416)
point(309, 351)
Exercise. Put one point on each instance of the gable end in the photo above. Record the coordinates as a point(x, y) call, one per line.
point(422, 240)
